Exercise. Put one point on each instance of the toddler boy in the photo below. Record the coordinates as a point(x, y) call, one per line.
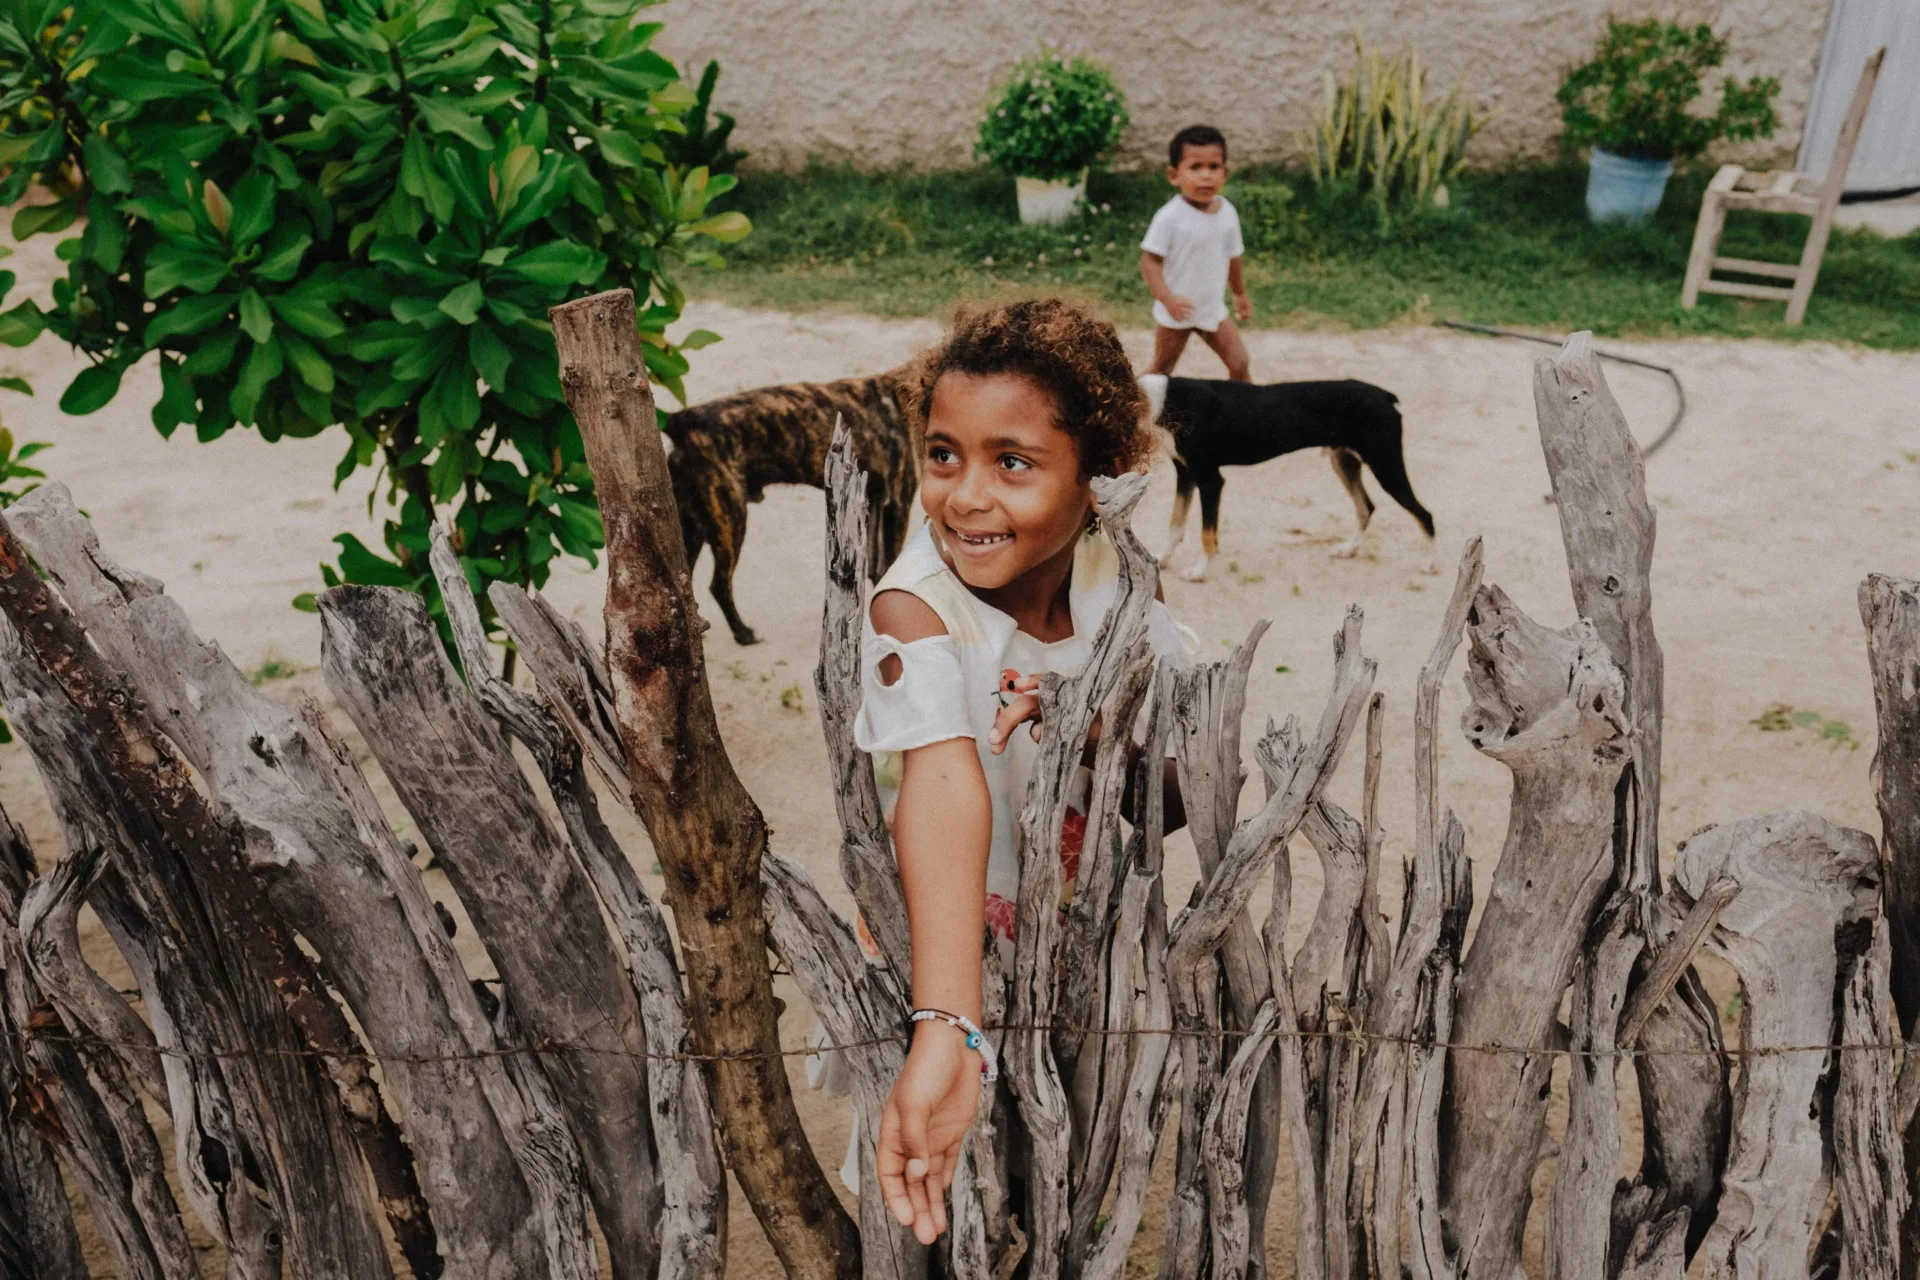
point(1190, 257)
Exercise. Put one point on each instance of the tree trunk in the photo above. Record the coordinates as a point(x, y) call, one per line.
point(708, 833)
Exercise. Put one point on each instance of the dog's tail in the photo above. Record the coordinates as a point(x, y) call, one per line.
point(1155, 385)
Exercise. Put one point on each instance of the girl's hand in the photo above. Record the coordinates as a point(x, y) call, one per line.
point(1243, 306)
point(1180, 308)
point(1018, 702)
point(926, 1118)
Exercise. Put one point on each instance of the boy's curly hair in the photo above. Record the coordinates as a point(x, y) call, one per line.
point(1067, 350)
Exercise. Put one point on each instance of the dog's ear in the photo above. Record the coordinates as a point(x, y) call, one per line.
point(1155, 385)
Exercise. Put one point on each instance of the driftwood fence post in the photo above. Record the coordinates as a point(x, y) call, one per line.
point(706, 829)
point(326, 1060)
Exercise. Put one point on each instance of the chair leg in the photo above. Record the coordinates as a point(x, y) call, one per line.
point(1706, 239)
point(1810, 257)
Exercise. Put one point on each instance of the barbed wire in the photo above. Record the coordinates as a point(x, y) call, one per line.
point(547, 1046)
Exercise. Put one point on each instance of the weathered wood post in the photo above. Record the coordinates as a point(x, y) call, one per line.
point(37, 1236)
point(263, 1138)
point(709, 834)
point(1890, 610)
point(1548, 705)
point(317, 843)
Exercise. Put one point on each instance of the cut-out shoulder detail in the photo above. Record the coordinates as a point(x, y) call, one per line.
point(905, 617)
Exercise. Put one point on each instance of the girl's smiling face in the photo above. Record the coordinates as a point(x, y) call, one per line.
point(1003, 487)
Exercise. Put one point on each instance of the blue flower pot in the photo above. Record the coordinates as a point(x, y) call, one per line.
point(1620, 189)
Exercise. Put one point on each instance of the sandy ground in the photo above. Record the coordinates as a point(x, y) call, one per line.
point(1795, 473)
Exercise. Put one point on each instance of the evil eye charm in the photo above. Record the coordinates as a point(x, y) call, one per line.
point(973, 1040)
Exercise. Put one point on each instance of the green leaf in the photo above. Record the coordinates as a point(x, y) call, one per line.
point(421, 178)
point(190, 316)
point(697, 339)
point(361, 566)
point(177, 403)
point(172, 266)
point(442, 117)
point(91, 389)
point(253, 207)
point(582, 521)
point(558, 262)
point(308, 314)
point(255, 320)
point(214, 354)
point(450, 466)
point(22, 324)
point(463, 304)
point(281, 258)
point(620, 149)
point(36, 218)
point(262, 367)
point(489, 355)
point(724, 227)
point(137, 81)
point(21, 385)
point(313, 368)
point(107, 169)
point(424, 312)
point(307, 602)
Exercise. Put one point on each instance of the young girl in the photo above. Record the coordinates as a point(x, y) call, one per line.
point(1009, 577)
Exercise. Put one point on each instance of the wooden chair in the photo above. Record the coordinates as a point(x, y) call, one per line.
point(1784, 192)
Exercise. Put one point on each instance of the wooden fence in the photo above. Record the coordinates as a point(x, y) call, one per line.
point(346, 1102)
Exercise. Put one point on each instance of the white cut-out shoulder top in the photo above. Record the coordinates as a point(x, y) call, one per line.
point(949, 684)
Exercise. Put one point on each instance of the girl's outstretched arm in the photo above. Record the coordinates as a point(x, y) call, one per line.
point(942, 830)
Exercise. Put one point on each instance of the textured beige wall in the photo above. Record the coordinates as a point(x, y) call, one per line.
point(886, 83)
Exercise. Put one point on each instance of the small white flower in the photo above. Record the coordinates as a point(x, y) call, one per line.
point(1105, 207)
point(986, 262)
point(1045, 110)
point(1116, 120)
point(1076, 251)
point(1109, 97)
point(1002, 113)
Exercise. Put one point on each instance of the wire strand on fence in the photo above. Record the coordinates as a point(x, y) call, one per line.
point(1348, 1035)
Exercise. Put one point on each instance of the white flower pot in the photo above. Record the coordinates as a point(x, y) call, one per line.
point(1048, 201)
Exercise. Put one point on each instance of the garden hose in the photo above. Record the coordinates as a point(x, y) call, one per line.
point(1680, 392)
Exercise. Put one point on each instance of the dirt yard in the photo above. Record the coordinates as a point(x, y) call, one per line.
point(1795, 473)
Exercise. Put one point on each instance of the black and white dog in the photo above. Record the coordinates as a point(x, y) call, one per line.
point(1214, 424)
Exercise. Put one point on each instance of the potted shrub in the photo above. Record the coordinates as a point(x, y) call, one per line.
point(1052, 119)
point(1632, 105)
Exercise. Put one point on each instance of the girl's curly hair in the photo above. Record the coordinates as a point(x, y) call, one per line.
point(1067, 350)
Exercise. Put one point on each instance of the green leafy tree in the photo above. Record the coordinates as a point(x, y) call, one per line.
point(1635, 98)
point(355, 214)
point(1053, 117)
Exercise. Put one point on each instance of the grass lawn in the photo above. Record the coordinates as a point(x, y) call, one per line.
point(1513, 248)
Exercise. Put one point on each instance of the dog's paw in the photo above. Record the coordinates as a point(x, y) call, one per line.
point(1346, 550)
point(1195, 572)
point(1430, 567)
point(745, 636)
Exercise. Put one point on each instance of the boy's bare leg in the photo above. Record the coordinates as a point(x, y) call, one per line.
point(1226, 344)
point(1167, 346)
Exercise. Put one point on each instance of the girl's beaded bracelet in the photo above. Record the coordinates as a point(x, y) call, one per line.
point(976, 1038)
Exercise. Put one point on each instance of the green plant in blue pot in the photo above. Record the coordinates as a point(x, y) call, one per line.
point(1632, 106)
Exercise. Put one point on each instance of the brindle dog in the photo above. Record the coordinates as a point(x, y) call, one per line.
point(727, 451)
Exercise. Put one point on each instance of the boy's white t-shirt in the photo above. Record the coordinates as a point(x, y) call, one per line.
point(1198, 248)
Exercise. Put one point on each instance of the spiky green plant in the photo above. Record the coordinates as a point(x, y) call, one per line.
point(1378, 130)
